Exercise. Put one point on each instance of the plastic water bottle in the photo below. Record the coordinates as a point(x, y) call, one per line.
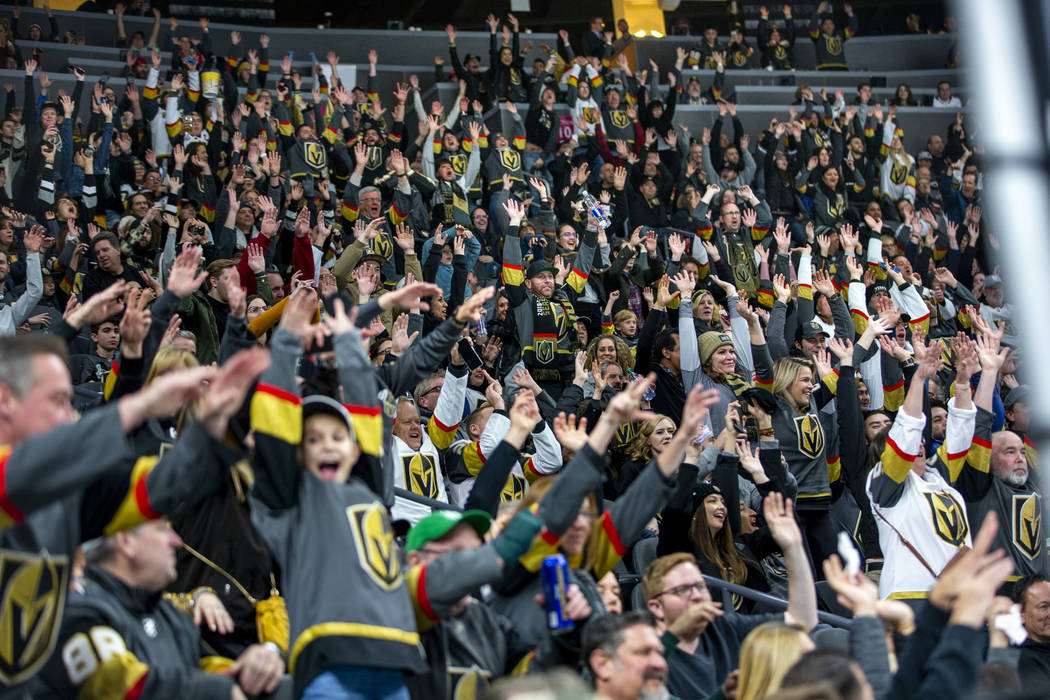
point(593, 207)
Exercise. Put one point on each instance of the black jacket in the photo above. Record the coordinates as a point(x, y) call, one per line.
point(104, 614)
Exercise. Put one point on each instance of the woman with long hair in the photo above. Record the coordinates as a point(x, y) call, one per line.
point(652, 437)
point(705, 518)
point(608, 348)
point(903, 97)
point(767, 653)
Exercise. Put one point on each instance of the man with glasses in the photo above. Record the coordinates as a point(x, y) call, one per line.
point(707, 640)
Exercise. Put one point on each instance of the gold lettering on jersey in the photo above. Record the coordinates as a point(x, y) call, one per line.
point(513, 490)
point(314, 155)
point(421, 474)
point(32, 595)
point(1027, 524)
point(511, 159)
point(619, 118)
point(834, 45)
point(949, 519)
point(810, 435)
point(374, 539)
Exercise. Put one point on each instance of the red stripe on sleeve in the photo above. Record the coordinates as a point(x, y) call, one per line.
point(900, 453)
point(279, 393)
point(5, 502)
point(612, 534)
point(361, 410)
point(421, 596)
point(135, 691)
point(142, 500)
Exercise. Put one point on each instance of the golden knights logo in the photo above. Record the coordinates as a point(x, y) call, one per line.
point(624, 434)
point(1027, 518)
point(33, 593)
point(810, 435)
point(949, 519)
point(834, 45)
point(314, 155)
point(513, 490)
point(375, 157)
point(739, 58)
point(590, 115)
point(383, 245)
point(899, 173)
point(780, 52)
point(458, 161)
point(545, 348)
point(511, 159)
point(467, 683)
point(421, 474)
point(837, 207)
point(515, 77)
point(375, 544)
point(619, 118)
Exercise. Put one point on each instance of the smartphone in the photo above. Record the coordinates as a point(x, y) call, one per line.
point(469, 354)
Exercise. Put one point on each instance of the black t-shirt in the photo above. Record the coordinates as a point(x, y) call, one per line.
point(221, 310)
point(1033, 665)
point(89, 367)
point(98, 279)
point(701, 673)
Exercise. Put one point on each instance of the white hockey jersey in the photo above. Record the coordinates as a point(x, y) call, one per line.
point(421, 471)
point(926, 510)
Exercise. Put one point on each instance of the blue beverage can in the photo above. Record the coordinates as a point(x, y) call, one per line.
point(555, 573)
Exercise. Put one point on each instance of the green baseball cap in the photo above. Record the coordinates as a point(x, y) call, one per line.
point(440, 523)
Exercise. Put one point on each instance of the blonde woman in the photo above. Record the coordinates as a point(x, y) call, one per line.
point(807, 438)
point(768, 652)
point(652, 438)
point(897, 173)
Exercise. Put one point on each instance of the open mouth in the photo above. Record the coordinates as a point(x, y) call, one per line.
point(328, 470)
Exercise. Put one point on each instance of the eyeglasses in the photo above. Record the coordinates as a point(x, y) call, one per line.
point(685, 589)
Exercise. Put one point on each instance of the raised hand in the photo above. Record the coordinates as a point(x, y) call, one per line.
point(298, 315)
point(184, 278)
point(570, 431)
point(685, 281)
point(625, 406)
point(780, 518)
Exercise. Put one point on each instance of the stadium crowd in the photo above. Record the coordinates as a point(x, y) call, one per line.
point(299, 395)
